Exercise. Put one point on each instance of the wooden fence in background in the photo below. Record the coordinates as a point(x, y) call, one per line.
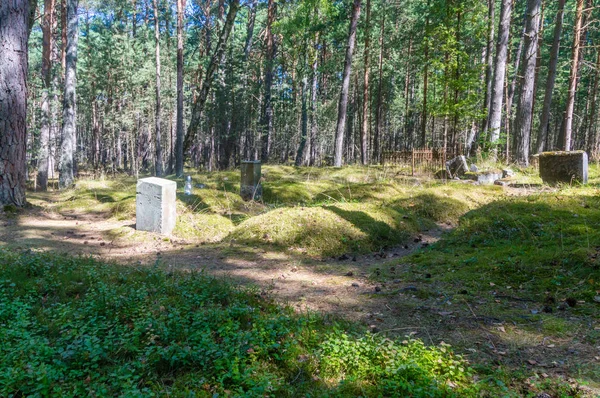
point(428, 160)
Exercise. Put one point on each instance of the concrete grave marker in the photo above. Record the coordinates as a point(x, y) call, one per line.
point(564, 167)
point(250, 186)
point(155, 205)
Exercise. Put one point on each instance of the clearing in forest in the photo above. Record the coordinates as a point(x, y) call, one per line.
point(510, 278)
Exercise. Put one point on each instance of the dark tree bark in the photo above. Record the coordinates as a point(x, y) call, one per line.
point(67, 158)
point(568, 122)
point(47, 40)
point(14, 31)
point(525, 106)
point(250, 29)
point(267, 112)
point(218, 53)
point(343, 102)
point(364, 136)
point(495, 110)
point(158, 166)
point(554, 52)
point(180, 131)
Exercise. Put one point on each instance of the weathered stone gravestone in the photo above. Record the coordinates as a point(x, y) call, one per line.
point(457, 167)
point(250, 184)
point(485, 177)
point(155, 205)
point(564, 167)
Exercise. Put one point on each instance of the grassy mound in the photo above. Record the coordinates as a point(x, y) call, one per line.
point(320, 212)
point(77, 327)
point(328, 230)
point(531, 264)
point(539, 245)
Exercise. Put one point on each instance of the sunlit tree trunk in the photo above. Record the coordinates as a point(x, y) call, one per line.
point(379, 109)
point(14, 31)
point(568, 122)
point(425, 83)
point(364, 136)
point(67, 158)
point(524, 113)
point(158, 166)
point(495, 110)
point(267, 112)
point(343, 102)
point(545, 118)
point(180, 110)
point(489, 62)
point(47, 43)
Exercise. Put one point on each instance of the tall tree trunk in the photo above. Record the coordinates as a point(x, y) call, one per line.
point(158, 165)
point(247, 135)
point(379, 111)
point(303, 123)
point(364, 138)
point(524, 113)
point(14, 31)
point(180, 110)
point(67, 158)
point(573, 77)
point(511, 88)
point(592, 147)
point(267, 112)
point(343, 102)
point(489, 65)
point(554, 52)
point(425, 83)
point(215, 60)
point(44, 154)
point(407, 117)
point(63, 24)
point(495, 110)
point(313, 107)
point(250, 29)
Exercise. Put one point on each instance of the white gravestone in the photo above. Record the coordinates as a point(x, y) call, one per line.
point(155, 205)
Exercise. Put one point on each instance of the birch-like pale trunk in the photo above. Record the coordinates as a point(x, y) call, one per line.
point(68, 146)
point(343, 102)
point(495, 110)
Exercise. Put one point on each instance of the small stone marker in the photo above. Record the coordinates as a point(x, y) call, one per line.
point(564, 167)
point(250, 185)
point(485, 177)
point(506, 173)
point(155, 205)
point(457, 167)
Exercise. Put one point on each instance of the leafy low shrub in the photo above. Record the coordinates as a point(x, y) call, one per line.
point(78, 327)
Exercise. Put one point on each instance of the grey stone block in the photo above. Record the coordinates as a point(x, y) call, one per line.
point(564, 167)
point(457, 167)
point(485, 177)
point(156, 205)
point(250, 184)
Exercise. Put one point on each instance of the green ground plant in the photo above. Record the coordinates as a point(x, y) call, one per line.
point(78, 327)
